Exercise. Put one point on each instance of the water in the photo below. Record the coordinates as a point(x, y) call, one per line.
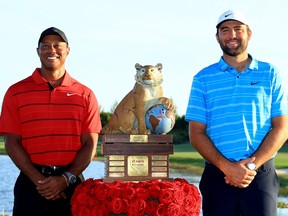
point(9, 173)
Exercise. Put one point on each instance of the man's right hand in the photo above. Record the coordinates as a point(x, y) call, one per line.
point(238, 175)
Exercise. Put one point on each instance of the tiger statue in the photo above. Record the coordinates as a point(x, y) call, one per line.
point(129, 115)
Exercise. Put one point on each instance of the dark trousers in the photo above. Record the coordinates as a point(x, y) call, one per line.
point(27, 200)
point(221, 199)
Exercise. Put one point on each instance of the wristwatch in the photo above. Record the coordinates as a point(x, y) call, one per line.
point(71, 177)
point(251, 166)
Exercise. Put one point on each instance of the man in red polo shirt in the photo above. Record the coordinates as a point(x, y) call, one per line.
point(50, 123)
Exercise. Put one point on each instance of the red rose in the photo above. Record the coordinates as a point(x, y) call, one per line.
point(178, 196)
point(112, 191)
point(81, 211)
point(117, 206)
point(151, 207)
point(100, 191)
point(79, 202)
point(143, 193)
point(166, 196)
point(136, 208)
point(129, 193)
point(99, 211)
point(119, 184)
point(153, 198)
point(154, 190)
point(161, 210)
point(175, 210)
point(180, 180)
point(192, 204)
point(165, 184)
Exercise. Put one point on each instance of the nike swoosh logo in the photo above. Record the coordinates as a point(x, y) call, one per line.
point(254, 83)
point(228, 15)
point(70, 94)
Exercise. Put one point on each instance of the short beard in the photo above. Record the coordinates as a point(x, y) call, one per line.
point(234, 52)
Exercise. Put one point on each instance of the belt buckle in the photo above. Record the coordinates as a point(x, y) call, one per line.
point(43, 169)
point(46, 171)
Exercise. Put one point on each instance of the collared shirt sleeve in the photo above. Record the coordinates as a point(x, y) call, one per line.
point(196, 109)
point(9, 122)
point(279, 96)
point(92, 121)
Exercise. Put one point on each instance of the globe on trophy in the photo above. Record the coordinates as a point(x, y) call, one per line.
point(159, 119)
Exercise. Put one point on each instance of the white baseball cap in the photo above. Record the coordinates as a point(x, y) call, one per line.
point(232, 15)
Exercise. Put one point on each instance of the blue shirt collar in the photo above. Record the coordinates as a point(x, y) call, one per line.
point(224, 66)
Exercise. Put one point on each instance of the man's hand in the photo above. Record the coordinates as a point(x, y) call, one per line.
point(52, 187)
point(238, 175)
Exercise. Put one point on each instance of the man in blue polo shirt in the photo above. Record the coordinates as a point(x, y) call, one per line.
point(238, 120)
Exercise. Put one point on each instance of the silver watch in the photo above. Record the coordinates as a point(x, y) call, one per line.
point(71, 177)
point(251, 166)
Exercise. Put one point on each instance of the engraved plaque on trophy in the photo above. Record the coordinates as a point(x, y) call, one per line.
point(137, 165)
point(137, 157)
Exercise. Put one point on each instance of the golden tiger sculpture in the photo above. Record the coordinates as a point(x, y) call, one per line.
point(129, 115)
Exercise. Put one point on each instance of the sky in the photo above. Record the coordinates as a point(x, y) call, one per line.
point(108, 37)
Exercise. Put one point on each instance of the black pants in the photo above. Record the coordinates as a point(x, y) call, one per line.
point(258, 199)
point(27, 200)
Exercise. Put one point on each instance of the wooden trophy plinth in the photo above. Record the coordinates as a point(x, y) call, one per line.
point(137, 157)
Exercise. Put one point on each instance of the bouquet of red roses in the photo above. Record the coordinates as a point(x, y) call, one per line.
point(152, 198)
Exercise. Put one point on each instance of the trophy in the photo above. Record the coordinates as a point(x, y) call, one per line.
point(135, 140)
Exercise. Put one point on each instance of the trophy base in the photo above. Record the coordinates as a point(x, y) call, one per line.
point(137, 157)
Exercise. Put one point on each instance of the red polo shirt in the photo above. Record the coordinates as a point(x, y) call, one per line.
point(50, 122)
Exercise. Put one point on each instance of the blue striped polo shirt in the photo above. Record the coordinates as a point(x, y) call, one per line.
point(237, 107)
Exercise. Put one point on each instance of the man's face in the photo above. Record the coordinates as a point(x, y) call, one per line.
point(53, 52)
point(233, 37)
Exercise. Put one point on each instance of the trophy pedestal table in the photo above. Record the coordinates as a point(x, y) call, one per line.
point(137, 157)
